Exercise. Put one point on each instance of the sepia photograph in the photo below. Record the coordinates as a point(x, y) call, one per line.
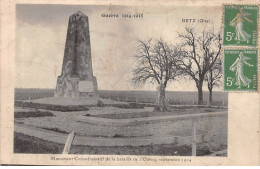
point(119, 80)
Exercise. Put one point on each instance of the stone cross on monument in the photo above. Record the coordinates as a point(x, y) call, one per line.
point(76, 79)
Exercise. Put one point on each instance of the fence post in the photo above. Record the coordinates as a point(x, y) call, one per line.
point(193, 102)
point(223, 102)
point(67, 146)
point(125, 98)
point(194, 140)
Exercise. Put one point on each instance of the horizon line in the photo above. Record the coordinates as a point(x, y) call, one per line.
point(129, 90)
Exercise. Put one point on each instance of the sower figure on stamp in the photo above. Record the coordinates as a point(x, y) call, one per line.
point(241, 35)
point(237, 66)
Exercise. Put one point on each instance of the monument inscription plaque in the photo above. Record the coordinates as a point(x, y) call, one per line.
point(86, 86)
point(76, 79)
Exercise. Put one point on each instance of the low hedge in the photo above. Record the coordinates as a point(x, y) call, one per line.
point(32, 114)
point(51, 107)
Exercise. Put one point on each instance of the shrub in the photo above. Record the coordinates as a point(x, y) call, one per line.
point(157, 108)
point(117, 136)
point(100, 104)
point(128, 106)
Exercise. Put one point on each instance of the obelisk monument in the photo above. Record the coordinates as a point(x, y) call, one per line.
point(76, 79)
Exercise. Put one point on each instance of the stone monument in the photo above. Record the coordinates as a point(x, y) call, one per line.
point(76, 79)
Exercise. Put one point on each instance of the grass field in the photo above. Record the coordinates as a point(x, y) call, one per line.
point(25, 94)
point(173, 97)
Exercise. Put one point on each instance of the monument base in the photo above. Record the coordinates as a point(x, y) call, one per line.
point(73, 87)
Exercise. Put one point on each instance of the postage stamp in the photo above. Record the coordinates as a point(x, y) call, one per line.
point(240, 25)
point(240, 70)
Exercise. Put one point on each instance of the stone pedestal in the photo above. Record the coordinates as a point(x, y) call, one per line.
point(76, 79)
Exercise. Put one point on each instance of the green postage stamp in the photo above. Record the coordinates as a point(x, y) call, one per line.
point(240, 25)
point(240, 70)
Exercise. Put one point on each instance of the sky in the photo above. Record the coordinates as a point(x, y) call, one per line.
point(41, 34)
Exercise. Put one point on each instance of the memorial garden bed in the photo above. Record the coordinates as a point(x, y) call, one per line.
point(55, 130)
point(155, 113)
point(70, 108)
point(28, 114)
point(67, 121)
point(51, 107)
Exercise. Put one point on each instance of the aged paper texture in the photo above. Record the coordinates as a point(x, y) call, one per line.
point(129, 82)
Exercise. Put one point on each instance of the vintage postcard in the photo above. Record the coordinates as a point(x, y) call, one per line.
point(129, 83)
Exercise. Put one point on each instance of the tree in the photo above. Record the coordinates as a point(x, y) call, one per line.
point(198, 53)
point(213, 77)
point(156, 64)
